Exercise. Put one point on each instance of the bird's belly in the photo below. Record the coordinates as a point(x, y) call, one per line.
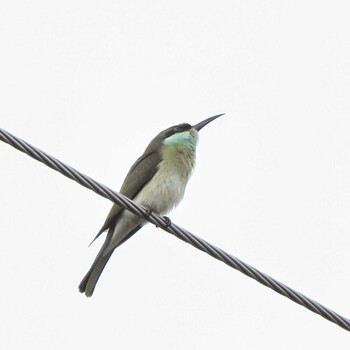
point(163, 192)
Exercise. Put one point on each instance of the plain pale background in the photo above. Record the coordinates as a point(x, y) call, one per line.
point(91, 83)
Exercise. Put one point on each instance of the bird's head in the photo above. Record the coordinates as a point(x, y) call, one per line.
point(179, 135)
point(185, 134)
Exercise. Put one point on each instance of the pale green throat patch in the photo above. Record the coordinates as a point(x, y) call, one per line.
point(182, 138)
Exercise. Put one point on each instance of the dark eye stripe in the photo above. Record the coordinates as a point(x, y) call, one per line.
point(177, 128)
point(182, 127)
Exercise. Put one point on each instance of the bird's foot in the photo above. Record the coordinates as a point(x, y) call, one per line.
point(167, 221)
point(165, 218)
point(148, 212)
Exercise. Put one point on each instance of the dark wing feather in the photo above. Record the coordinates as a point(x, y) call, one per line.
point(140, 173)
point(138, 176)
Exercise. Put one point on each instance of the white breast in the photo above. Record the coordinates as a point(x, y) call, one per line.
point(167, 187)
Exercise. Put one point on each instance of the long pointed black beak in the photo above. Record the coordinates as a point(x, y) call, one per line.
point(203, 123)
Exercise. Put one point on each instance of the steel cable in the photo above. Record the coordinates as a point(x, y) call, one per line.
point(172, 228)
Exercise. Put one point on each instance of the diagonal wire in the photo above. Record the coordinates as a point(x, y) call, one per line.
point(179, 232)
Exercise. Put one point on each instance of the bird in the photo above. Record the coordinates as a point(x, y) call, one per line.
point(157, 181)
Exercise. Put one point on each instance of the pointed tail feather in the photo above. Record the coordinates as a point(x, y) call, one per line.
point(87, 285)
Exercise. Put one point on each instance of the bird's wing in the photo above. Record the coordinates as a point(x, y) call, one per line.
point(140, 173)
point(138, 176)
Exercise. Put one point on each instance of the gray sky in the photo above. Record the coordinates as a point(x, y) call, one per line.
point(91, 83)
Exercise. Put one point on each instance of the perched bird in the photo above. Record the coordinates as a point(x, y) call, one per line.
point(157, 180)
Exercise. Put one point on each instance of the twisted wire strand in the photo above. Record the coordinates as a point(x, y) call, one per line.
point(174, 229)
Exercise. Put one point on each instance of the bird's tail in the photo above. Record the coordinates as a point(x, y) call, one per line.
point(88, 283)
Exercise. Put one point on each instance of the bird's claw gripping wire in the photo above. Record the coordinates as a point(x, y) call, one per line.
point(165, 218)
point(167, 221)
point(148, 212)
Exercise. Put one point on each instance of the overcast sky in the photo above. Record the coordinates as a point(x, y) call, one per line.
point(91, 83)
